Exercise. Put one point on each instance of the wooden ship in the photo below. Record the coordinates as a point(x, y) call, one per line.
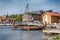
point(26, 26)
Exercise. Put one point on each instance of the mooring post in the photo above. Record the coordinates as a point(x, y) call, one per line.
point(13, 25)
point(45, 25)
point(28, 28)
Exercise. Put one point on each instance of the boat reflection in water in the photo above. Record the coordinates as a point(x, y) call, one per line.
point(6, 33)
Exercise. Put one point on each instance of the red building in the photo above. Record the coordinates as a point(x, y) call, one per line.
point(5, 19)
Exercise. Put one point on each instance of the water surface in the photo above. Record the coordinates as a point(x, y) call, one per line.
point(6, 33)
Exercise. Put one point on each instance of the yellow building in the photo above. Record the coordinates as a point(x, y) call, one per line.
point(50, 17)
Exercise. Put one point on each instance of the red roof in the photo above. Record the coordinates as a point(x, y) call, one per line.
point(53, 13)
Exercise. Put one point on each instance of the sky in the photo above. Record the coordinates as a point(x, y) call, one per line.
point(15, 6)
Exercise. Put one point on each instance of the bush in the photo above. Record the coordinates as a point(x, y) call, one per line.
point(57, 37)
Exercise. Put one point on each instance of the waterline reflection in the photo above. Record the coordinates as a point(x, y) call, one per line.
point(9, 34)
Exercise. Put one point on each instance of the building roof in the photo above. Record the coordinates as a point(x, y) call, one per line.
point(35, 12)
point(53, 13)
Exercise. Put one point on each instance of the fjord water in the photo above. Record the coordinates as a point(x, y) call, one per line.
point(6, 33)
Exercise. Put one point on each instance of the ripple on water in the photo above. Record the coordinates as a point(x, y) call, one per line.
point(6, 33)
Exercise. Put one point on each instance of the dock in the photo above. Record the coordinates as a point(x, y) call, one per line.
point(7, 24)
point(55, 31)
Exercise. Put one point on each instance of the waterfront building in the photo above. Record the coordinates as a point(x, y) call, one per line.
point(2, 18)
point(48, 17)
point(6, 19)
point(34, 16)
point(9, 20)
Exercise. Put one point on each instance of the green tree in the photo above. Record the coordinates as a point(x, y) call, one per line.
point(18, 18)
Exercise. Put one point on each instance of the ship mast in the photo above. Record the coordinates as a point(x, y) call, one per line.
point(27, 8)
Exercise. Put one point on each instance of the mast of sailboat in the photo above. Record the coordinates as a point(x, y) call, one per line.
point(27, 8)
point(21, 14)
